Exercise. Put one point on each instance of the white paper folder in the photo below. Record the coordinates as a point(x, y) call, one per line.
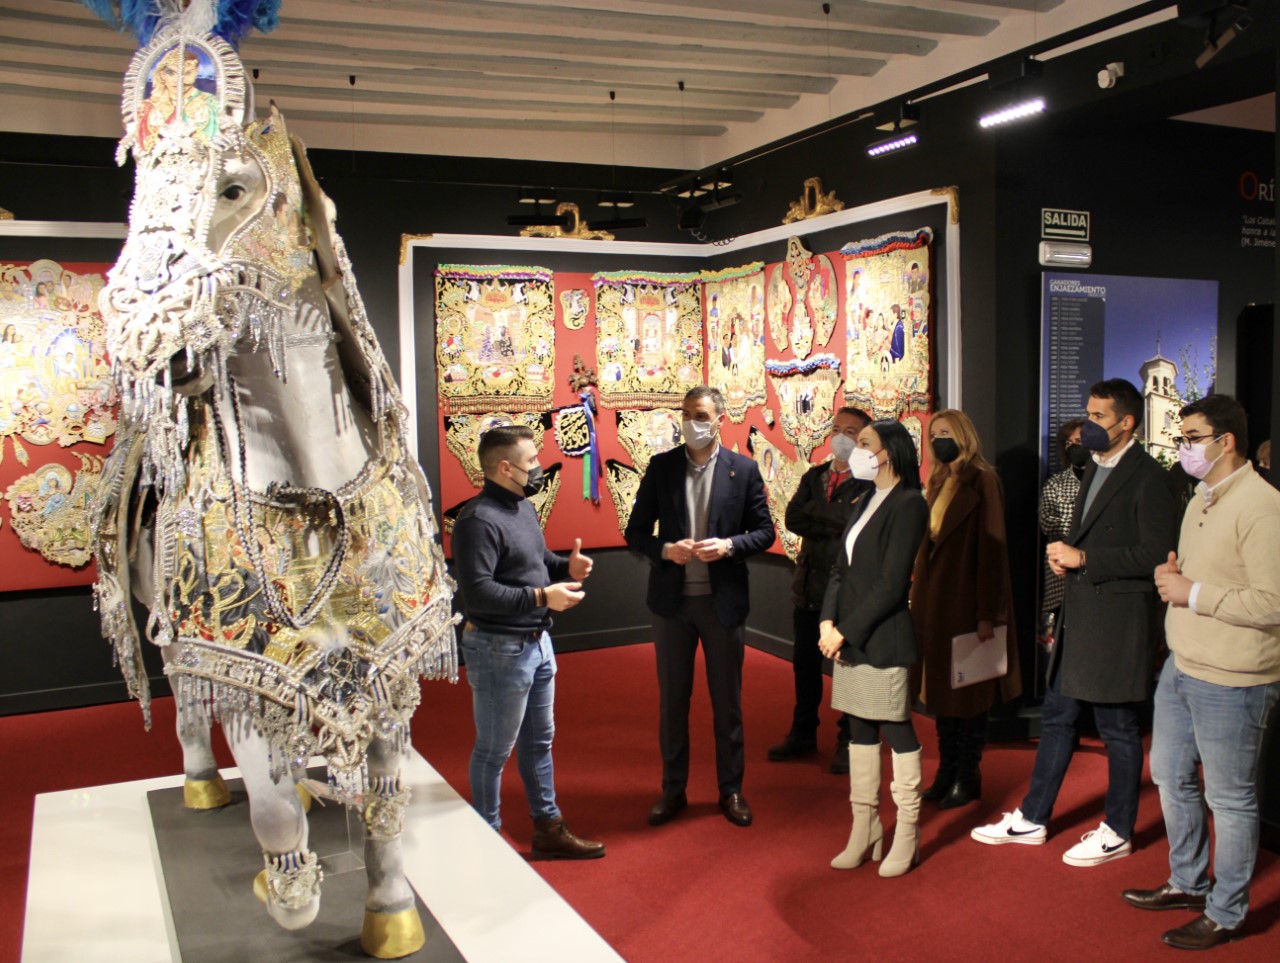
point(973, 661)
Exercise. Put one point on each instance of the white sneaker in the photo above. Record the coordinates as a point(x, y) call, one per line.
point(1097, 846)
point(1011, 829)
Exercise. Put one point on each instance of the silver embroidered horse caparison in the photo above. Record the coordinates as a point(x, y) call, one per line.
point(262, 501)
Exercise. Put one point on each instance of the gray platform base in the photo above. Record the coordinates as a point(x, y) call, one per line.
point(209, 861)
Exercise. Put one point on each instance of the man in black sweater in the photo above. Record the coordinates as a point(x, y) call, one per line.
point(507, 584)
point(819, 513)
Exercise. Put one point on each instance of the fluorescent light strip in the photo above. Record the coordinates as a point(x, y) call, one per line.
point(895, 144)
point(1012, 113)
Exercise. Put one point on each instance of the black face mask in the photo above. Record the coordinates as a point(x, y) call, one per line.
point(1093, 437)
point(1078, 456)
point(945, 450)
point(533, 484)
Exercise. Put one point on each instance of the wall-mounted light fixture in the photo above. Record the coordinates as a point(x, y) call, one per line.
point(1065, 254)
point(537, 195)
point(616, 199)
point(1012, 112)
point(892, 145)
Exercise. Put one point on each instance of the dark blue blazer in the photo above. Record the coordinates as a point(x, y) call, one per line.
point(739, 512)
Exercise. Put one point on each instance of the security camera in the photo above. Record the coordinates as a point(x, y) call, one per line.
point(1109, 74)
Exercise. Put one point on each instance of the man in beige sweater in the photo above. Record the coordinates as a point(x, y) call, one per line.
point(1221, 683)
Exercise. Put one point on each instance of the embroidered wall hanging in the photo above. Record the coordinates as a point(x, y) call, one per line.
point(48, 510)
point(55, 379)
point(823, 299)
point(648, 337)
point(887, 323)
point(577, 437)
point(495, 338)
point(624, 483)
point(916, 430)
point(462, 435)
point(806, 393)
point(735, 336)
point(575, 307)
point(800, 268)
point(778, 306)
point(781, 479)
point(543, 502)
point(647, 433)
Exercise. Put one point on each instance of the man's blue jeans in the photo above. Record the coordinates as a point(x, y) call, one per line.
point(1117, 724)
point(513, 691)
point(1221, 728)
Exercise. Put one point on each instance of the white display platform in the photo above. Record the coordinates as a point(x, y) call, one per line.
point(95, 889)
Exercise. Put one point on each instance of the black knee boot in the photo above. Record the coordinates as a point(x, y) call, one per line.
point(948, 758)
point(967, 788)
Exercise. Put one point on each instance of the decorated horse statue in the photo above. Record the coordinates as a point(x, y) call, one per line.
point(261, 500)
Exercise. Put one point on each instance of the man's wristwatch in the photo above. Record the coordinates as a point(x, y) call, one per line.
point(728, 552)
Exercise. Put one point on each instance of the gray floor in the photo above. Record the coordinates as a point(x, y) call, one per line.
point(210, 860)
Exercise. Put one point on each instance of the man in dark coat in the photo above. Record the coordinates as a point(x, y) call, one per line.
point(1124, 525)
point(819, 512)
point(710, 508)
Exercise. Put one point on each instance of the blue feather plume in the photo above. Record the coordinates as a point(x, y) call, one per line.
point(236, 18)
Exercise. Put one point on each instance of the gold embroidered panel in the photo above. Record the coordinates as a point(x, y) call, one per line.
point(48, 510)
point(575, 307)
point(462, 435)
point(55, 379)
point(806, 393)
point(781, 479)
point(887, 361)
point(543, 503)
point(778, 306)
point(800, 269)
point(735, 336)
point(495, 338)
point(624, 484)
point(647, 433)
point(822, 297)
point(648, 337)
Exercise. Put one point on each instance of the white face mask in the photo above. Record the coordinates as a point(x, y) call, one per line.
point(842, 446)
point(864, 464)
point(698, 434)
point(1195, 462)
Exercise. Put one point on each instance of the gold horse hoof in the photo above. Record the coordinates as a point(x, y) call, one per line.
point(305, 795)
point(389, 936)
point(205, 793)
point(260, 887)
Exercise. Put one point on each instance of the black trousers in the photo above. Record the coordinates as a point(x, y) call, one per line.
point(675, 641)
point(806, 666)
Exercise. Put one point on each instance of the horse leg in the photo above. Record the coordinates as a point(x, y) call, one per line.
point(290, 884)
point(392, 927)
point(204, 787)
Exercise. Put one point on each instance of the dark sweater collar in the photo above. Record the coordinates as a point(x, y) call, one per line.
point(504, 495)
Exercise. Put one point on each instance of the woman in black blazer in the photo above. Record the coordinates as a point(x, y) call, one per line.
point(866, 627)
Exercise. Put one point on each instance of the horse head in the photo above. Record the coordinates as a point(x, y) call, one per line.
point(218, 244)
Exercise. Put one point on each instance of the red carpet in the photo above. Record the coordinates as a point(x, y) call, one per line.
point(701, 888)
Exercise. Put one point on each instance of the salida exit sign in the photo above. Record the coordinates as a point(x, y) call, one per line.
point(1064, 225)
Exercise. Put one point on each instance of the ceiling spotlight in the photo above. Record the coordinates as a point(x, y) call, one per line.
point(692, 219)
point(893, 144)
point(616, 199)
point(908, 115)
point(1109, 75)
point(1019, 111)
point(537, 195)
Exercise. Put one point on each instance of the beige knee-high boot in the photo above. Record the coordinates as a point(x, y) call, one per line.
point(905, 789)
point(864, 797)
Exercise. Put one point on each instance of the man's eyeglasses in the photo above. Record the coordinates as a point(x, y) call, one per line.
point(1186, 441)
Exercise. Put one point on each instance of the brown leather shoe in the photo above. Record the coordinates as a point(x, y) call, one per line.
point(735, 809)
point(1164, 897)
point(665, 809)
point(1201, 933)
point(552, 839)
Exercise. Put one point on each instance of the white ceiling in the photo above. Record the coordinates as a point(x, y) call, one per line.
point(531, 78)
